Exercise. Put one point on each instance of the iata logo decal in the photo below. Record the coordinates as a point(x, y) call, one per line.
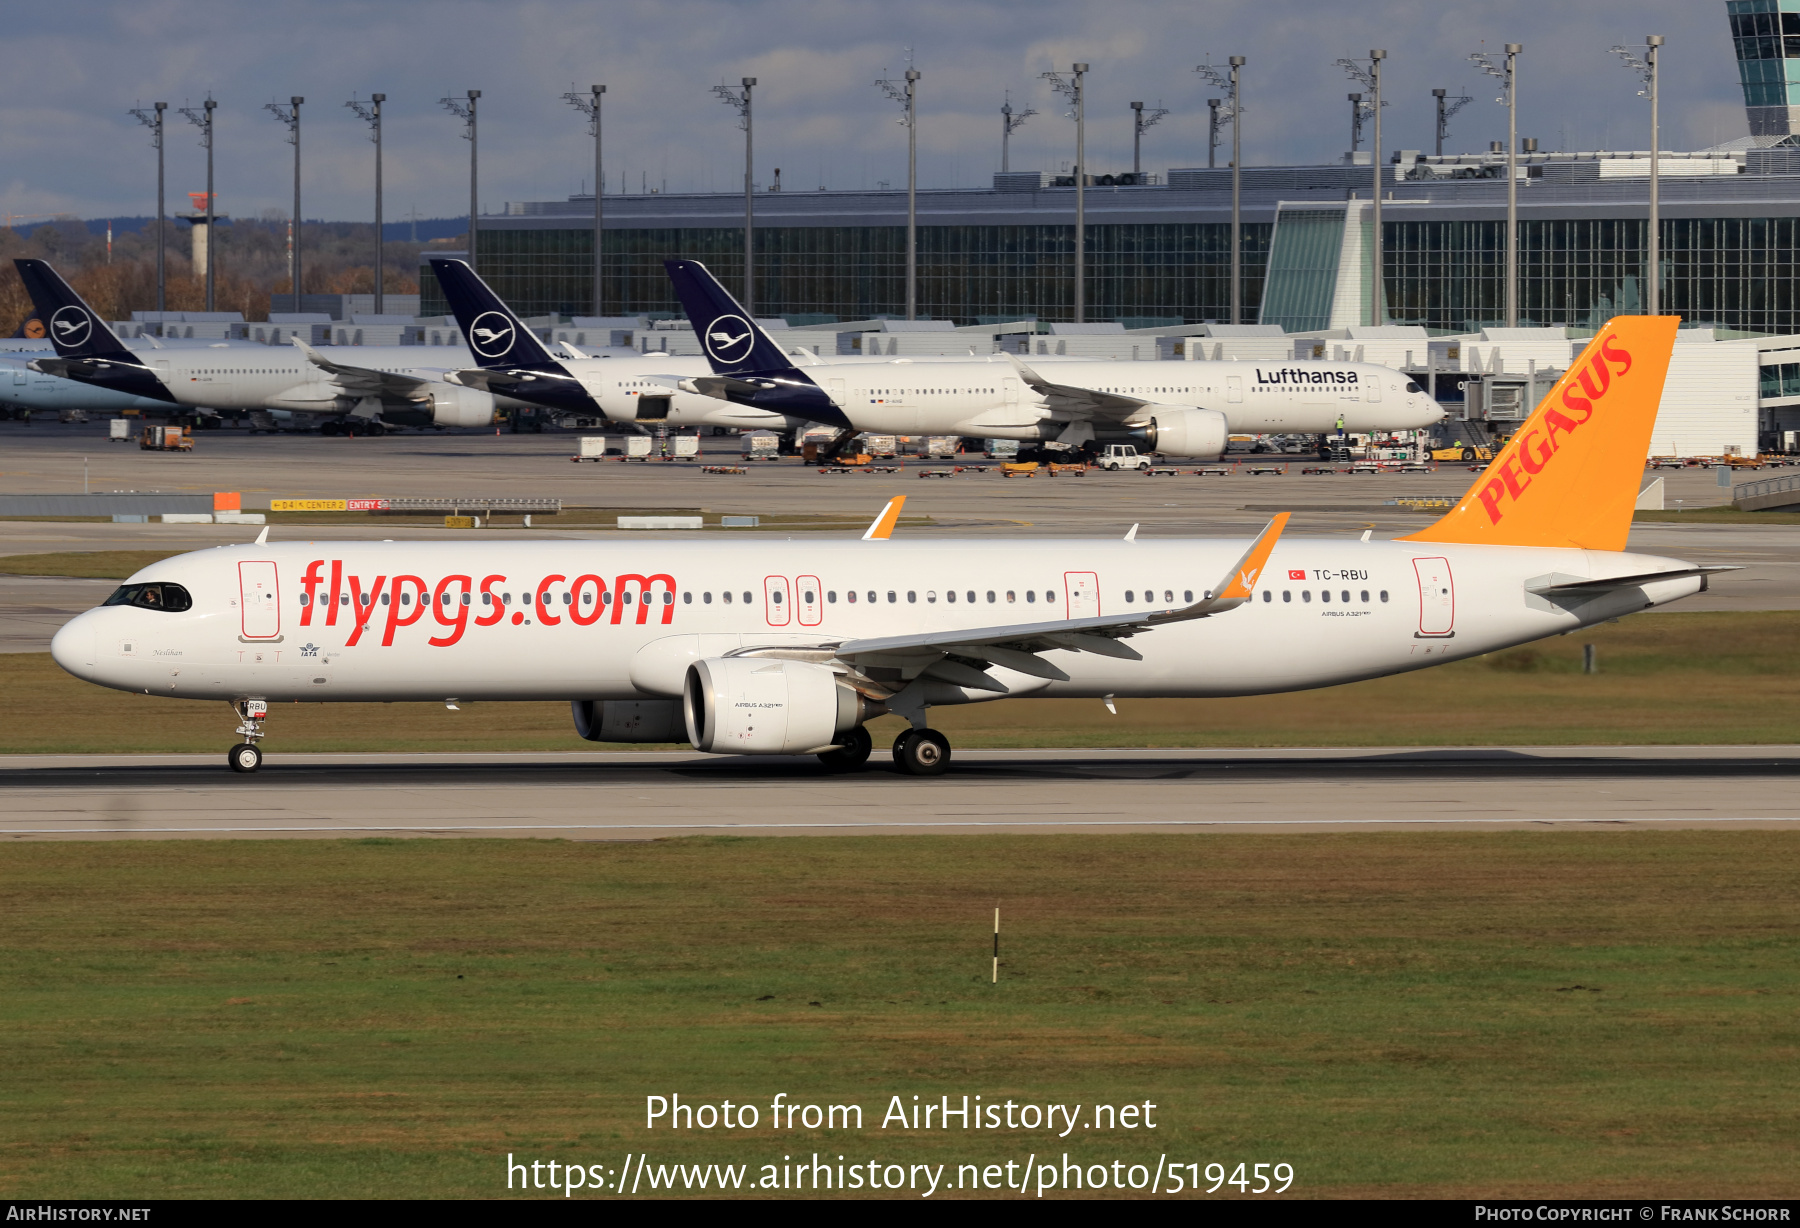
point(1537, 446)
point(491, 335)
point(71, 326)
point(729, 339)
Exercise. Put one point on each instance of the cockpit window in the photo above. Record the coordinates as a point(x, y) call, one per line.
point(1412, 387)
point(170, 597)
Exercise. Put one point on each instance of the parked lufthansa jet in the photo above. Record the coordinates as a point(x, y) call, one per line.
point(384, 384)
point(1183, 409)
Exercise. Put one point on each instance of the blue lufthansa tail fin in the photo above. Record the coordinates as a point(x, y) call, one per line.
point(496, 337)
point(730, 338)
point(75, 330)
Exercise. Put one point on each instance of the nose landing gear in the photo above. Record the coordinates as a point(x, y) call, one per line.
point(245, 757)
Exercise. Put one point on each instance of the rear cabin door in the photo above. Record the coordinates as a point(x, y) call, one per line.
point(1234, 389)
point(776, 606)
point(1437, 598)
point(811, 612)
point(1083, 589)
point(259, 600)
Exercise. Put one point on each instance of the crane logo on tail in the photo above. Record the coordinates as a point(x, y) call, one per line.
point(491, 335)
point(729, 339)
point(71, 326)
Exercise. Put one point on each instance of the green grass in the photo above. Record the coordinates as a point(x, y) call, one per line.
point(1523, 1014)
point(87, 564)
point(1665, 679)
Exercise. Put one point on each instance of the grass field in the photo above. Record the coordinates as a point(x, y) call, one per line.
point(1524, 1014)
point(1664, 678)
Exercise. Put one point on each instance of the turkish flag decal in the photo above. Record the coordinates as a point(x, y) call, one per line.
point(1296, 575)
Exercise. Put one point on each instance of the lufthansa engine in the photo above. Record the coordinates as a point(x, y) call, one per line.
point(452, 405)
point(1177, 430)
point(763, 706)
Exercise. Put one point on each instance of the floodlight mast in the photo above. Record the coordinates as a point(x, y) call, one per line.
point(1009, 121)
point(1139, 122)
point(1214, 77)
point(203, 119)
point(1378, 267)
point(370, 113)
point(1445, 112)
point(589, 105)
point(1509, 98)
point(289, 115)
point(1074, 88)
point(153, 120)
point(905, 92)
point(740, 99)
point(466, 113)
point(1647, 70)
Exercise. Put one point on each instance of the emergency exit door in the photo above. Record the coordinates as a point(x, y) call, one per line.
point(259, 601)
point(1437, 598)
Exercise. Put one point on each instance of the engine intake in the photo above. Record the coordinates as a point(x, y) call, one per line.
point(1177, 430)
point(453, 405)
point(763, 706)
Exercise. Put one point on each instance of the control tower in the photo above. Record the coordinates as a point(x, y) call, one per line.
point(1766, 36)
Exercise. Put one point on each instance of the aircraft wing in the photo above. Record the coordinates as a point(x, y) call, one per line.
point(76, 368)
point(957, 656)
point(1081, 402)
point(365, 381)
point(504, 382)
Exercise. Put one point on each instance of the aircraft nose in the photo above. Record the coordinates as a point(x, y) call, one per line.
point(73, 646)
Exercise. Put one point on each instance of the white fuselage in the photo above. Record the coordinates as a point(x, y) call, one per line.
point(612, 619)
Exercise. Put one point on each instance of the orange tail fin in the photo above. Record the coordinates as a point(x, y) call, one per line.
point(1571, 474)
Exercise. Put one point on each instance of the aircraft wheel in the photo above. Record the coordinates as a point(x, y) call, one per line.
point(244, 757)
point(854, 748)
point(922, 752)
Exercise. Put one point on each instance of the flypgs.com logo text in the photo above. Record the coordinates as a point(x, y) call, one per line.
point(1535, 448)
point(1304, 375)
point(456, 603)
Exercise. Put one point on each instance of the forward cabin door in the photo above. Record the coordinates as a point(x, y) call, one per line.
point(812, 613)
point(839, 396)
point(1437, 598)
point(259, 601)
point(776, 604)
point(1083, 591)
point(1234, 389)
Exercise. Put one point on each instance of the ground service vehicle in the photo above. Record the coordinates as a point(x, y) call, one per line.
point(791, 647)
point(1116, 456)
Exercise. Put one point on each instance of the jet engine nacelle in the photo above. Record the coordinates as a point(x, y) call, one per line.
point(1178, 430)
point(454, 405)
point(764, 706)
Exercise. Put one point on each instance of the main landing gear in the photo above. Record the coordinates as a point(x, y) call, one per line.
point(853, 751)
point(922, 752)
point(245, 757)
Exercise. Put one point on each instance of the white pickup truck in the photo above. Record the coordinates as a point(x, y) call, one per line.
point(1118, 456)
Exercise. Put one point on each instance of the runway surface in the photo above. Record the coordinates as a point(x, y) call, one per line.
point(636, 796)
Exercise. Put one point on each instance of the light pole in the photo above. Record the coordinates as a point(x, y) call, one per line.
point(1646, 68)
point(371, 114)
point(466, 113)
point(1139, 123)
point(1378, 270)
point(203, 119)
point(1231, 82)
point(905, 92)
point(1445, 112)
point(741, 100)
point(1074, 87)
point(1009, 121)
point(289, 115)
point(1509, 98)
point(153, 120)
point(589, 105)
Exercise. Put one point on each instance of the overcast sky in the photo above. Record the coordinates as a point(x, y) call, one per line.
point(75, 68)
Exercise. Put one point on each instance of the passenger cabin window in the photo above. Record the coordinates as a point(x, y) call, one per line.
point(170, 597)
